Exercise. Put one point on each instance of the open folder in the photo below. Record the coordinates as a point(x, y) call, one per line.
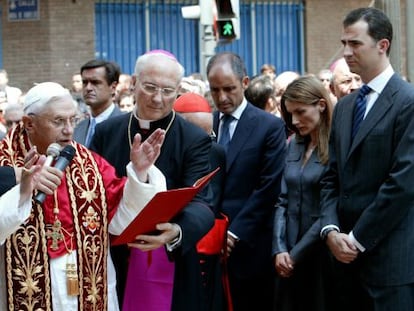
point(162, 208)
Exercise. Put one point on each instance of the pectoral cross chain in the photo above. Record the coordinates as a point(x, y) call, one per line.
point(55, 234)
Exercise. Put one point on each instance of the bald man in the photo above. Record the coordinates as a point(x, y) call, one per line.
point(344, 81)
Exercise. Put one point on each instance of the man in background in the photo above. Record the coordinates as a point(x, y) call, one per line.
point(344, 81)
point(99, 80)
point(76, 91)
point(269, 70)
point(13, 115)
point(281, 83)
point(8, 94)
point(261, 93)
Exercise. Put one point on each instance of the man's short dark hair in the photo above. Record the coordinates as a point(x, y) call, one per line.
point(379, 25)
point(259, 91)
point(112, 70)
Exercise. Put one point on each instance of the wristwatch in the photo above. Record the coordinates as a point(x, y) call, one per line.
point(326, 232)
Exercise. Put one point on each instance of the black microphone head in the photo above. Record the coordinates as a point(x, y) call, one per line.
point(68, 152)
point(53, 150)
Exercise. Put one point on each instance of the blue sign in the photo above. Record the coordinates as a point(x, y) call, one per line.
point(23, 10)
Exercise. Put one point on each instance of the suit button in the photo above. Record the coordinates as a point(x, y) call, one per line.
point(346, 197)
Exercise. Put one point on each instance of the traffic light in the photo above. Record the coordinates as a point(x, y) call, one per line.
point(225, 29)
point(223, 15)
point(227, 24)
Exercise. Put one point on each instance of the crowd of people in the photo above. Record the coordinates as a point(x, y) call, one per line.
point(311, 208)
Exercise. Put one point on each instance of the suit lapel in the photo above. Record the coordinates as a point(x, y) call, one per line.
point(216, 122)
point(244, 129)
point(344, 115)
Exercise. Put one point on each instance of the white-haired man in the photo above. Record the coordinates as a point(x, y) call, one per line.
point(183, 160)
point(58, 259)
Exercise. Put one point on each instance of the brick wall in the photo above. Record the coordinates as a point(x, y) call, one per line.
point(323, 28)
point(52, 48)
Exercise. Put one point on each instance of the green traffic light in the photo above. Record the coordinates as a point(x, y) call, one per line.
point(228, 29)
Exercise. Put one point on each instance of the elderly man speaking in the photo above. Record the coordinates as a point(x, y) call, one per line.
point(58, 259)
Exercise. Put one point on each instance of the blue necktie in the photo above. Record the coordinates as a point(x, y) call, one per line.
point(360, 107)
point(225, 131)
point(91, 131)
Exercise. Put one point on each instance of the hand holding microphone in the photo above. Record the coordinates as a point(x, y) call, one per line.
point(65, 157)
point(52, 152)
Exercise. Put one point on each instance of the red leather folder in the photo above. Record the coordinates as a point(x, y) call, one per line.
point(162, 208)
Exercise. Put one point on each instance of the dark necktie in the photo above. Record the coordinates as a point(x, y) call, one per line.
point(225, 130)
point(360, 107)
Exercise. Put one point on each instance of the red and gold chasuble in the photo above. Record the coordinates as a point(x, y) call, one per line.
point(83, 213)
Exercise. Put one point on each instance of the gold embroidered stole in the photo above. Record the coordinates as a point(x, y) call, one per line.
point(89, 206)
point(27, 262)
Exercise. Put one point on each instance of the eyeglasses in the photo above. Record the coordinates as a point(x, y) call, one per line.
point(152, 89)
point(60, 122)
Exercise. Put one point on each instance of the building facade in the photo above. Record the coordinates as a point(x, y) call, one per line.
point(64, 34)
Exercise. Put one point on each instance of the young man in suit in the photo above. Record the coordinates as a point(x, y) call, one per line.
point(255, 145)
point(367, 193)
point(99, 81)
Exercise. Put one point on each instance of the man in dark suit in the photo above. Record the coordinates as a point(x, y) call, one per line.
point(99, 80)
point(255, 157)
point(367, 194)
point(183, 160)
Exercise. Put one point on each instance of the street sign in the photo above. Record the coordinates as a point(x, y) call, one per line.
point(23, 10)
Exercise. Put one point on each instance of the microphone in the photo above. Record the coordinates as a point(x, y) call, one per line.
point(65, 156)
point(52, 152)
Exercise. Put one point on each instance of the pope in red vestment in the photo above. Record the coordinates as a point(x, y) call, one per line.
point(58, 259)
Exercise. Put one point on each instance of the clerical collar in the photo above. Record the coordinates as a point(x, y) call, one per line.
point(163, 123)
point(144, 124)
point(146, 127)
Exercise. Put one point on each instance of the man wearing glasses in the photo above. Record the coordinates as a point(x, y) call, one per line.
point(167, 259)
point(58, 259)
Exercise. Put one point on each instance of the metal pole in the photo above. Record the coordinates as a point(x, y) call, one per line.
point(206, 34)
point(409, 9)
point(254, 39)
point(147, 27)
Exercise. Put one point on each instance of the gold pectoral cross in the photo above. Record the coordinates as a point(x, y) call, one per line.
point(55, 234)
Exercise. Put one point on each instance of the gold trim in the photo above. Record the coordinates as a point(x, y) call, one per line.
point(93, 283)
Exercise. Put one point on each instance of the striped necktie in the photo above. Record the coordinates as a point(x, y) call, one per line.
point(360, 107)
